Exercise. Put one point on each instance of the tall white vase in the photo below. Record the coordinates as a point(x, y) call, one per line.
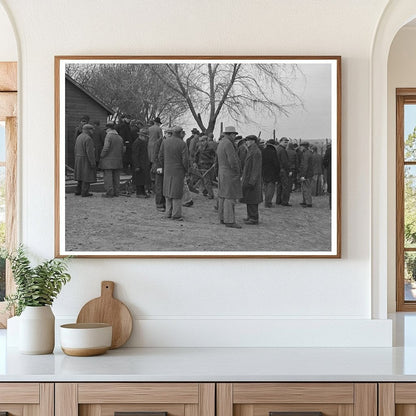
point(37, 330)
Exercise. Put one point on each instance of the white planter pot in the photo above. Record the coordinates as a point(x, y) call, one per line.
point(37, 330)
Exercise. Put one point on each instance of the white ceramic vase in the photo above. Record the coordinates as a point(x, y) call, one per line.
point(37, 330)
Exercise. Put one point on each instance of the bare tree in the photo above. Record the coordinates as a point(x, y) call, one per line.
point(238, 89)
point(131, 89)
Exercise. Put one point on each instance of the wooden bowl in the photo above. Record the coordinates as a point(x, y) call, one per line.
point(84, 340)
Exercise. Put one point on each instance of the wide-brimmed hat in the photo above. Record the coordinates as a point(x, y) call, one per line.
point(230, 129)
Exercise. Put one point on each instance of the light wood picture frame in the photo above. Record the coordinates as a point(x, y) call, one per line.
point(269, 97)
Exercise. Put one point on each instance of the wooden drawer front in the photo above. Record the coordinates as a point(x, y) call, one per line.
point(405, 393)
point(138, 393)
point(331, 399)
point(293, 393)
point(397, 399)
point(27, 399)
point(104, 399)
point(110, 409)
point(264, 410)
point(19, 393)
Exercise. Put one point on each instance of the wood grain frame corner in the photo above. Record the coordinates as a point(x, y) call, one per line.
point(337, 58)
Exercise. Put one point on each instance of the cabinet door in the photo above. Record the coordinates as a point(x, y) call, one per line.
point(26, 399)
point(397, 399)
point(297, 399)
point(142, 399)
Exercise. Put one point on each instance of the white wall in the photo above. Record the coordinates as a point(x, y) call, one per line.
point(199, 302)
point(401, 74)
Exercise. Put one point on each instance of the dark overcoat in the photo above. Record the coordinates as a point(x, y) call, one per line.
point(251, 179)
point(140, 160)
point(306, 165)
point(270, 164)
point(317, 163)
point(229, 171)
point(293, 159)
point(84, 169)
point(98, 137)
point(328, 166)
point(112, 153)
point(283, 158)
point(155, 134)
point(173, 156)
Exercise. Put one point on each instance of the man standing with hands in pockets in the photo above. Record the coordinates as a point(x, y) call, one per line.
point(173, 156)
point(229, 173)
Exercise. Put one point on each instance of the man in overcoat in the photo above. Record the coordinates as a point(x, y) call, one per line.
point(328, 167)
point(173, 156)
point(84, 168)
point(317, 163)
point(155, 134)
point(204, 161)
point(251, 181)
point(229, 183)
point(271, 171)
point(283, 183)
point(306, 175)
point(111, 161)
point(98, 136)
point(124, 130)
point(140, 161)
point(157, 172)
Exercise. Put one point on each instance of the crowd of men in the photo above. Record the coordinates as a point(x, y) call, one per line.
point(162, 163)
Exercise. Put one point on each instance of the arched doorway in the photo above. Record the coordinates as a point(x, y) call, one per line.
point(396, 15)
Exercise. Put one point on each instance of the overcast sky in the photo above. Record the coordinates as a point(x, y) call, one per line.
point(313, 121)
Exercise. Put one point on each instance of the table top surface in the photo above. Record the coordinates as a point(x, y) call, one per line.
point(214, 365)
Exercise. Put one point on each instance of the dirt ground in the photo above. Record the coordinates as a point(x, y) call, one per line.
point(130, 224)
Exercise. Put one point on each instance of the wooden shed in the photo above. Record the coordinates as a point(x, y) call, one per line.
point(80, 102)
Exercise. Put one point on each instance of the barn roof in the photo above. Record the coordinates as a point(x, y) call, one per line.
point(97, 100)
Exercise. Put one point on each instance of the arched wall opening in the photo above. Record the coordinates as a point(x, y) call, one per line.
point(401, 74)
point(396, 15)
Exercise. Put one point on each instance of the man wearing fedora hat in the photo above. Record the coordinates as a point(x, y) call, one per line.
point(306, 175)
point(111, 161)
point(173, 157)
point(251, 180)
point(155, 134)
point(229, 183)
point(84, 168)
point(124, 130)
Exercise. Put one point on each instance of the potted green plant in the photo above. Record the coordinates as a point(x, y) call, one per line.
point(36, 289)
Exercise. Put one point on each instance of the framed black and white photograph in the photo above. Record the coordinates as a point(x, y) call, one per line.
point(198, 156)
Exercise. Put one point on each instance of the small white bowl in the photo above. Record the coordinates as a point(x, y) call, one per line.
point(83, 340)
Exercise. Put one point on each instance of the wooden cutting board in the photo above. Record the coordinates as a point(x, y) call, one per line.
point(108, 310)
